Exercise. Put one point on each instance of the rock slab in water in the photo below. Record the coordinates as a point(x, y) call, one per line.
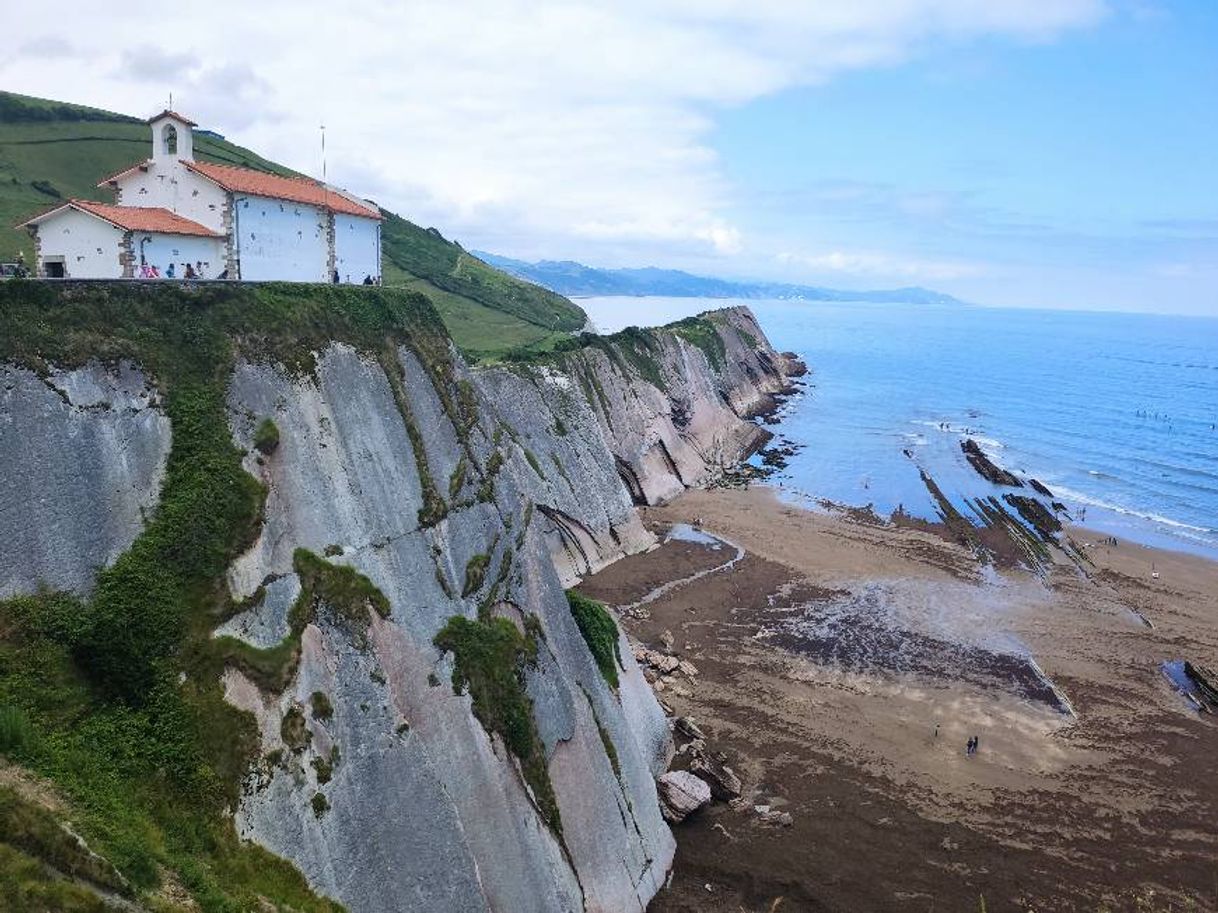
point(682, 794)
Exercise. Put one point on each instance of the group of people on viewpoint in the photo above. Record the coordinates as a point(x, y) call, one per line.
point(196, 270)
point(189, 271)
point(368, 279)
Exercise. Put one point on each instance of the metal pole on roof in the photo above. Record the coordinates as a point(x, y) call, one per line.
point(325, 195)
point(324, 184)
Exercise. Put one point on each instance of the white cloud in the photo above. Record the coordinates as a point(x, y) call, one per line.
point(505, 118)
point(884, 266)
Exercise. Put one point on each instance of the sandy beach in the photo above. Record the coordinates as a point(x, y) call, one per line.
point(843, 665)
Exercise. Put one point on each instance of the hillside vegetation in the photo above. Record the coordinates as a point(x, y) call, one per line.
point(51, 151)
point(114, 701)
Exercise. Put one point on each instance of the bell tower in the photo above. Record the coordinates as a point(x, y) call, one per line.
point(172, 139)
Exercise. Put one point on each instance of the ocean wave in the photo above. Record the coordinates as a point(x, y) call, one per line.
point(1070, 494)
point(988, 443)
point(952, 426)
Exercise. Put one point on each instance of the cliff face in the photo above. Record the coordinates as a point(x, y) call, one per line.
point(84, 456)
point(662, 410)
point(432, 729)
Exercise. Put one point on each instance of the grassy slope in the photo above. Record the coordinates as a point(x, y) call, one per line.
point(67, 149)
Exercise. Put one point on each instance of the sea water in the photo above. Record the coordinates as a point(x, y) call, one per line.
point(1116, 413)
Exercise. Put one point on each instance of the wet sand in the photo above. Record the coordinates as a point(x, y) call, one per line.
point(828, 655)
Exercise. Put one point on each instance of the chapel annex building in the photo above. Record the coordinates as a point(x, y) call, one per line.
point(224, 222)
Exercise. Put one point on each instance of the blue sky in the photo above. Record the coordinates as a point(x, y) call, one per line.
point(1044, 153)
point(1089, 162)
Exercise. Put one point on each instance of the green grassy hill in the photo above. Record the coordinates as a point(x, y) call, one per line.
point(52, 150)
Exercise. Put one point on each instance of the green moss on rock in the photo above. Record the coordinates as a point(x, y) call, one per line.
point(528, 455)
point(341, 589)
point(457, 479)
point(294, 730)
point(610, 750)
point(151, 761)
point(320, 804)
point(322, 708)
point(600, 633)
point(323, 769)
point(475, 573)
point(701, 332)
point(489, 660)
point(266, 437)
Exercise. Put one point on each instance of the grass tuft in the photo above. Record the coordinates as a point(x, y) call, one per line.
point(322, 708)
point(266, 437)
point(490, 657)
point(600, 633)
point(475, 573)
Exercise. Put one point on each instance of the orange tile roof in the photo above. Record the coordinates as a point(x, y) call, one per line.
point(168, 113)
point(297, 190)
point(133, 218)
point(118, 174)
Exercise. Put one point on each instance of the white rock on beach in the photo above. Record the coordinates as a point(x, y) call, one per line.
point(682, 794)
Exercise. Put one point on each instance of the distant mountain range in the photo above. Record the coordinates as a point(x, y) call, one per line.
point(570, 278)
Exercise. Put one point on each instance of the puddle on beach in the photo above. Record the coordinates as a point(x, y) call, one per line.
point(909, 628)
point(683, 532)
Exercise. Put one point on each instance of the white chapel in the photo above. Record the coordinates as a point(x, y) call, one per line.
point(176, 217)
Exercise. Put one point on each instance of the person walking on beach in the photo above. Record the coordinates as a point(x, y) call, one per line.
point(976, 744)
point(968, 750)
point(936, 730)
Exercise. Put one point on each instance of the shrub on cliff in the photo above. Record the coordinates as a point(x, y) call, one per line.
point(600, 633)
point(266, 438)
point(489, 659)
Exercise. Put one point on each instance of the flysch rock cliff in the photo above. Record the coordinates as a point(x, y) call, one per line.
point(374, 776)
point(84, 454)
point(659, 411)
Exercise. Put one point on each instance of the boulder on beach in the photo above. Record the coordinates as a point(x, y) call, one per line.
point(723, 782)
point(681, 794)
point(684, 726)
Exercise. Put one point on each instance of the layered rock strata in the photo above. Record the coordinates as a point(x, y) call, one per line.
point(388, 787)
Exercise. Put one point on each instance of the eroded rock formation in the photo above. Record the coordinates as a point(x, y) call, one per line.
point(403, 498)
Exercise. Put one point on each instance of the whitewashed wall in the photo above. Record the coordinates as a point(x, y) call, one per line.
point(278, 239)
point(173, 186)
point(161, 250)
point(88, 245)
point(356, 248)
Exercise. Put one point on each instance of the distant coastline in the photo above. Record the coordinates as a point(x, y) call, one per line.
point(576, 280)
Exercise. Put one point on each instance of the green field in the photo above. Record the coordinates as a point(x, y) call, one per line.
point(50, 151)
